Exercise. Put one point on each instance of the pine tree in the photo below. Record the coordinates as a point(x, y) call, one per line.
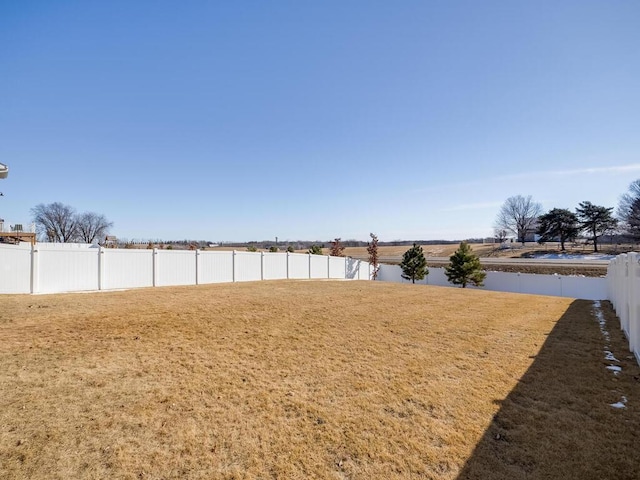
point(596, 221)
point(464, 267)
point(558, 223)
point(414, 265)
point(315, 250)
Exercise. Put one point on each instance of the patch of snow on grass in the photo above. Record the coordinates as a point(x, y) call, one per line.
point(614, 368)
point(597, 309)
point(609, 356)
point(620, 404)
point(572, 256)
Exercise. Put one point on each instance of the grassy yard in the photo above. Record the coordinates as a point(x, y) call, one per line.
point(313, 379)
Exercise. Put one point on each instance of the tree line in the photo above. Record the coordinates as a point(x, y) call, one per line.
point(60, 223)
point(522, 216)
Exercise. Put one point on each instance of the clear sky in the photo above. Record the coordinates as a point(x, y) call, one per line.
point(313, 120)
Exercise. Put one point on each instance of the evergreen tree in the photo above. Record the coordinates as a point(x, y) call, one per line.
point(596, 221)
point(315, 250)
point(290, 249)
point(558, 223)
point(414, 265)
point(464, 267)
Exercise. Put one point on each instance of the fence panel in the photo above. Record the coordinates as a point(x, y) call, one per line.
point(66, 270)
point(124, 268)
point(248, 266)
point(586, 288)
point(364, 271)
point(541, 284)
point(437, 277)
point(298, 265)
point(337, 267)
point(15, 268)
point(275, 266)
point(503, 282)
point(391, 273)
point(215, 267)
point(319, 266)
point(352, 268)
point(175, 267)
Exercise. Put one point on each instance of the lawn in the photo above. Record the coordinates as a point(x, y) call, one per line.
point(313, 379)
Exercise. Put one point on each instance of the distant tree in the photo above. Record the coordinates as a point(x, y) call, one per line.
point(337, 250)
point(252, 248)
point(315, 250)
point(290, 249)
point(558, 223)
point(629, 210)
point(56, 222)
point(500, 234)
point(464, 267)
point(596, 221)
point(414, 265)
point(273, 249)
point(150, 245)
point(372, 250)
point(130, 245)
point(91, 226)
point(518, 215)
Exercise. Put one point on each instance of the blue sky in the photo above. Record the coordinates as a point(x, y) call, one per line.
point(314, 120)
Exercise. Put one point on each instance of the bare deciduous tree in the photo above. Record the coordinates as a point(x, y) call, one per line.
point(500, 234)
point(518, 215)
point(92, 226)
point(372, 250)
point(337, 249)
point(629, 210)
point(60, 223)
point(56, 222)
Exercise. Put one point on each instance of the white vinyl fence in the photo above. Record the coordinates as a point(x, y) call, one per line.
point(588, 288)
point(623, 282)
point(55, 268)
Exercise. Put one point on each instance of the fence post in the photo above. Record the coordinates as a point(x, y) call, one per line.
point(309, 265)
point(100, 268)
point(34, 269)
point(233, 267)
point(287, 265)
point(154, 256)
point(261, 265)
point(197, 266)
point(633, 302)
point(328, 266)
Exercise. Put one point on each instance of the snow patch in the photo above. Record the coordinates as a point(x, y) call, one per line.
point(609, 356)
point(597, 310)
point(614, 368)
point(571, 256)
point(621, 404)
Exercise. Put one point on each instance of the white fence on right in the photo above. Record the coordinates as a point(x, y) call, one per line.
point(623, 281)
point(587, 288)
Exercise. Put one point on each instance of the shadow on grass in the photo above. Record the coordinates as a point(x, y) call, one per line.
point(558, 421)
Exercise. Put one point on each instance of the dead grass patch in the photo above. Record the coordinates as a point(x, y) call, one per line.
point(311, 380)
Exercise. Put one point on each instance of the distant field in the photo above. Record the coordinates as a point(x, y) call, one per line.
point(312, 379)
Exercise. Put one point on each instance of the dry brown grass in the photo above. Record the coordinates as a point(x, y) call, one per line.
point(307, 379)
